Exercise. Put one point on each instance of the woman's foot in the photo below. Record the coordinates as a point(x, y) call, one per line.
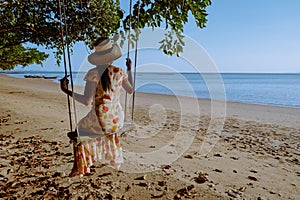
point(74, 171)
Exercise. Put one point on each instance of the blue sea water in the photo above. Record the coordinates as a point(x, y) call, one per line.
point(256, 88)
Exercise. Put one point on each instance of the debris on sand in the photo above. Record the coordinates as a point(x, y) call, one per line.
point(252, 178)
point(188, 156)
point(186, 193)
point(202, 178)
point(141, 177)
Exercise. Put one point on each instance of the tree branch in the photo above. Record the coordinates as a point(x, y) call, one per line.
point(10, 29)
point(5, 3)
point(10, 45)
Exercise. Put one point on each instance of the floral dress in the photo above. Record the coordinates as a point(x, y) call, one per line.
point(104, 120)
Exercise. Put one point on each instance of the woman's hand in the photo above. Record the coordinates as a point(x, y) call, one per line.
point(127, 88)
point(128, 64)
point(64, 83)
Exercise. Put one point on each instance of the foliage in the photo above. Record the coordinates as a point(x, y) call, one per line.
point(42, 23)
point(172, 14)
point(19, 55)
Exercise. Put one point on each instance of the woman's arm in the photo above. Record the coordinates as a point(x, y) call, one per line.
point(89, 91)
point(127, 86)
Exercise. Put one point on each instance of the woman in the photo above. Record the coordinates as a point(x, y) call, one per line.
point(102, 90)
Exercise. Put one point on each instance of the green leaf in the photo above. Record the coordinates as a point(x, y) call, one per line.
point(39, 22)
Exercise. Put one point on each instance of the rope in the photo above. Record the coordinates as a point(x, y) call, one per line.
point(69, 62)
point(69, 58)
point(65, 62)
point(128, 52)
point(135, 60)
point(70, 68)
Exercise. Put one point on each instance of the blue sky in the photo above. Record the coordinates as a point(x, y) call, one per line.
point(240, 36)
point(252, 35)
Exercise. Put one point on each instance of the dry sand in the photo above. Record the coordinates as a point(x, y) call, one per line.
point(178, 148)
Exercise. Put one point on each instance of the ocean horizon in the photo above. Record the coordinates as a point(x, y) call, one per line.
point(277, 89)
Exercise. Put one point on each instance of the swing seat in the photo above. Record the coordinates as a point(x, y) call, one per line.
point(73, 135)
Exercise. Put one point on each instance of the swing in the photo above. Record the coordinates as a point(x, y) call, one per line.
point(129, 126)
point(87, 152)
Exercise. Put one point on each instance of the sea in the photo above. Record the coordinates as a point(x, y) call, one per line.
point(281, 89)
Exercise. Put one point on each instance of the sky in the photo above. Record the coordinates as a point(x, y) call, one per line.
point(240, 36)
point(252, 35)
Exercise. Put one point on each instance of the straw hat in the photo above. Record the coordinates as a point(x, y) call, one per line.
point(105, 52)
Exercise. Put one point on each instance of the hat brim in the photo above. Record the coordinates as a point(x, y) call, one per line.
point(102, 58)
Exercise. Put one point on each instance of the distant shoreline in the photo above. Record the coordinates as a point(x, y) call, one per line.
point(204, 99)
point(263, 73)
point(37, 74)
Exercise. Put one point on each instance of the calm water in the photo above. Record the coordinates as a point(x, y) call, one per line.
point(271, 89)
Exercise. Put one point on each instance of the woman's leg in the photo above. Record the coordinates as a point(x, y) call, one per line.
point(75, 168)
point(73, 137)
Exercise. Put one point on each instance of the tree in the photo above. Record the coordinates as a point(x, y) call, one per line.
point(19, 55)
point(40, 21)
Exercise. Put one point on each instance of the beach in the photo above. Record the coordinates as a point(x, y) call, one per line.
point(177, 148)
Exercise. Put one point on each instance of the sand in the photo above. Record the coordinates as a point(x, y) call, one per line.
point(178, 148)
